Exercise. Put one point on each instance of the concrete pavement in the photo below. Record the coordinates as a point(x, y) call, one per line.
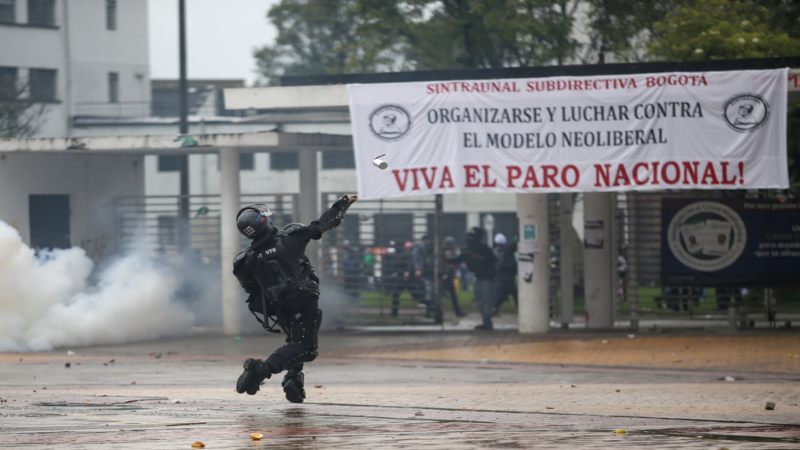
point(413, 390)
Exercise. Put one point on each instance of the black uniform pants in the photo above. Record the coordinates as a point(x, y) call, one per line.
point(302, 330)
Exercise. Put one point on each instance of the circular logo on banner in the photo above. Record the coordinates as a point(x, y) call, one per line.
point(707, 236)
point(389, 122)
point(746, 112)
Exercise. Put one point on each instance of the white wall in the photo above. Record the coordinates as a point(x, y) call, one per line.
point(95, 51)
point(91, 181)
point(83, 52)
point(38, 48)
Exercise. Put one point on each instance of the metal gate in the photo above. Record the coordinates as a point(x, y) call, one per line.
point(362, 262)
point(641, 293)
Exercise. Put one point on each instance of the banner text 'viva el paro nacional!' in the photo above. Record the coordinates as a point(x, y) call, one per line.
point(703, 130)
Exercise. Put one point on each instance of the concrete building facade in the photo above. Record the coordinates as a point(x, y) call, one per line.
point(77, 57)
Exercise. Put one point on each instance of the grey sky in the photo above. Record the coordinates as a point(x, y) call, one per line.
point(221, 36)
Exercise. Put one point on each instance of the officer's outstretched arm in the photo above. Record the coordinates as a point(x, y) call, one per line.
point(332, 217)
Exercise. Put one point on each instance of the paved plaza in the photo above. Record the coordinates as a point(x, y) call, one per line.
point(687, 389)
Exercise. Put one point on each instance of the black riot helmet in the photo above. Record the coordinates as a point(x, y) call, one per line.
point(253, 221)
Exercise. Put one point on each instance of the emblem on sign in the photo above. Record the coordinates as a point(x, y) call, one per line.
point(389, 122)
point(746, 112)
point(707, 236)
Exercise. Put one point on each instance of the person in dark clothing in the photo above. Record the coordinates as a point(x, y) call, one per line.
point(395, 273)
point(415, 280)
point(353, 271)
point(505, 283)
point(481, 261)
point(449, 275)
point(283, 292)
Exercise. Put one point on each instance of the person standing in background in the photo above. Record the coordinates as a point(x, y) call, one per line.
point(481, 261)
point(505, 283)
point(449, 275)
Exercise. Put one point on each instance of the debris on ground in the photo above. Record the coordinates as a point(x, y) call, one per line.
point(67, 365)
point(317, 386)
point(729, 378)
point(256, 436)
point(70, 353)
point(770, 406)
point(419, 414)
point(198, 444)
point(620, 431)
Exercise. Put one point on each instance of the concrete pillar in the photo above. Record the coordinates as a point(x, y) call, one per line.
point(309, 197)
point(598, 260)
point(229, 197)
point(534, 264)
point(567, 260)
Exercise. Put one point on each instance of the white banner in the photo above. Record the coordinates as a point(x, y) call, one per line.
point(713, 130)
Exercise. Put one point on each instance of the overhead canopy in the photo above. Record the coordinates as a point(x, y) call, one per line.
point(193, 144)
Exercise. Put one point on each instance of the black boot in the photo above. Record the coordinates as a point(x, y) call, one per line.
point(255, 371)
point(293, 386)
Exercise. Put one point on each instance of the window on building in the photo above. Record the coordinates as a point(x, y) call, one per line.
point(398, 227)
point(7, 11)
point(351, 228)
point(338, 159)
point(113, 87)
point(506, 223)
point(246, 161)
point(169, 163)
point(42, 12)
point(284, 161)
point(453, 225)
point(8, 82)
point(42, 84)
point(111, 14)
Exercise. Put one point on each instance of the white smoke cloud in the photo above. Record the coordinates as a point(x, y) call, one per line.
point(47, 300)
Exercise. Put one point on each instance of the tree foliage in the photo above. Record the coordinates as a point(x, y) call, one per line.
point(622, 28)
point(724, 29)
point(493, 33)
point(19, 115)
point(324, 37)
point(338, 36)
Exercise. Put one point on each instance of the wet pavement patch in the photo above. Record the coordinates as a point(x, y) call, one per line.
point(745, 433)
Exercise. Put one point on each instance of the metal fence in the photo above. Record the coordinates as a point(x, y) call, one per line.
point(357, 259)
point(153, 224)
point(369, 260)
point(642, 292)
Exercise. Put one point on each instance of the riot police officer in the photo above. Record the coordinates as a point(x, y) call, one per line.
point(283, 292)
